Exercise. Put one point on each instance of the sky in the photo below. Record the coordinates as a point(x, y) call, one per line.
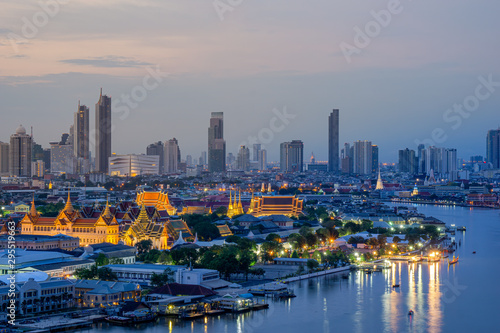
point(395, 69)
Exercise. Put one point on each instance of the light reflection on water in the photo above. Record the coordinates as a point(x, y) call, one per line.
point(368, 302)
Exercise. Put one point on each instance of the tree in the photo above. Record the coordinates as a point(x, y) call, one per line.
point(297, 241)
point(372, 242)
point(312, 265)
point(106, 274)
point(273, 237)
point(295, 254)
point(221, 211)
point(311, 239)
point(366, 225)
point(382, 240)
point(116, 261)
point(184, 256)
point(305, 230)
point(158, 280)
point(396, 239)
point(355, 240)
point(144, 246)
point(165, 258)
point(102, 260)
point(86, 273)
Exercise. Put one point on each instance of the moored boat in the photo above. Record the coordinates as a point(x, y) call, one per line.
point(453, 261)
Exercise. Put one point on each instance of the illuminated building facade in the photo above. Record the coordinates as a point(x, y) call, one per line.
point(235, 207)
point(134, 165)
point(276, 205)
point(159, 200)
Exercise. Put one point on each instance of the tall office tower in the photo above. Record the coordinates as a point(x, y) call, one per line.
point(81, 146)
point(292, 156)
point(157, 149)
point(263, 159)
point(189, 160)
point(256, 149)
point(4, 159)
point(36, 152)
point(231, 161)
point(347, 159)
point(375, 165)
point(20, 153)
point(363, 157)
point(407, 161)
point(171, 156)
point(216, 143)
point(46, 158)
point(243, 161)
point(442, 161)
point(203, 158)
point(333, 141)
point(493, 148)
point(102, 133)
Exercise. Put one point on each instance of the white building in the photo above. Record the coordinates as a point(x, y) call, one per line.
point(134, 165)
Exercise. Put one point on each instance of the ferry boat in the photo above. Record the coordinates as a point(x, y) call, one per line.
point(453, 261)
point(415, 259)
point(131, 319)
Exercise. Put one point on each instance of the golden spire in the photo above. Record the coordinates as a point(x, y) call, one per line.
point(230, 201)
point(239, 201)
point(68, 207)
point(33, 211)
point(143, 215)
point(106, 212)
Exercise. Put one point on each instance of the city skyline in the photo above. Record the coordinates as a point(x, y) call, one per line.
point(247, 66)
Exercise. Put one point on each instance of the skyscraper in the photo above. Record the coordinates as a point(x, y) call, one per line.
point(20, 153)
point(256, 149)
point(333, 141)
point(407, 161)
point(157, 149)
point(493, 148)
point(375, 166)
point(4, 159)
point(216, 143)
point(292, 156)
point(243, 160)
point(103, 133)
point(263, 159)
point(81, 140)
point(171, 155)
point(363, 157)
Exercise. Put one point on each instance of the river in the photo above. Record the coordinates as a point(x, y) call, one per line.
point(462, 298)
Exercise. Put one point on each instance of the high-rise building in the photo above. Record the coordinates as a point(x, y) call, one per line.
point(243, 161)
point(375, 166)
point(103, 133)
point(203, 158)
point(37, 169)
point(407, 161)
point(363, 157)
point(4, 159)
point(157, 149)
point(46, 159)
point(62, 158)
point(81, 146)
point(256, 149)
point(263, 159)
point(347, 159)
point(292, 156)
point(189, 160)
point(333, 141)
point(441, 161)
point(36, 152)
point(493, 148)
point(171, 155)
point(216, 143)
point(20, 153)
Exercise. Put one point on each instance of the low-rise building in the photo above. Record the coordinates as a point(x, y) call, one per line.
point(42, 242)
point(39, 296)
point(97, 293)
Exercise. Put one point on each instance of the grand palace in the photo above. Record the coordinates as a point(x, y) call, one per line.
point(150, 217)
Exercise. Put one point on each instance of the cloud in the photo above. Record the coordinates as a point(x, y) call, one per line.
point(107, 61)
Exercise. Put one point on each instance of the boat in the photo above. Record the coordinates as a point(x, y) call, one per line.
point(395, 285)
point(410, 313)
point(118, 320)
point(462, 228)
point(474, 252)
point(415, 259)
point(128, 319)
point(453, 261)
